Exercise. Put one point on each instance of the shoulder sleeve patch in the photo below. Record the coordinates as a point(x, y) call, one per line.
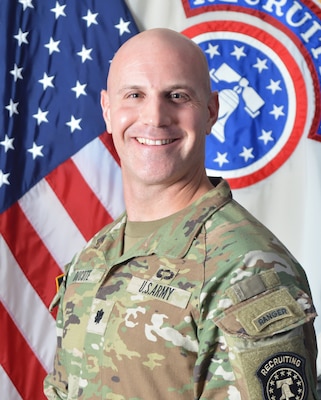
point(271, 313)
point(60, 283)
point(59, 280)
point(274, 368)
point(263, 316)
point(282, 376)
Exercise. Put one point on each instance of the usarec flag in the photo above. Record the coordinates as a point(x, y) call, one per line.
point(59, 174)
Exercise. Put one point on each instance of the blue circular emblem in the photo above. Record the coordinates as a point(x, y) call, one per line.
point(264, 108)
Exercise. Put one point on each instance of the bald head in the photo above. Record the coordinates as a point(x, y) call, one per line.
point(166, 44)
point(159, 107)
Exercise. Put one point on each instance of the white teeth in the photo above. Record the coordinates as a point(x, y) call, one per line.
point(150, 142)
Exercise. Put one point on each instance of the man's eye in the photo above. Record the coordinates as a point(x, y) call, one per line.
point(178, 96)
point(133, 95)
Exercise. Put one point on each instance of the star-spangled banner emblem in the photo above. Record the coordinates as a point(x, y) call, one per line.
point(265, 61)
point(60, 178)
point(52, 77)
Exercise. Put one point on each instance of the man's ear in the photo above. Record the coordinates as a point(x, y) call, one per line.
point(104, 102)
point(213, 107)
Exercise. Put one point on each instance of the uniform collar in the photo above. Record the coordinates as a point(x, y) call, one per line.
point(168, 239)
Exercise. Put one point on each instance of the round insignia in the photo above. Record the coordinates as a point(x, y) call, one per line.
point(282, 377)
point(258, 70)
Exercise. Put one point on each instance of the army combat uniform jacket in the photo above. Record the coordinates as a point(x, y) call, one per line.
point(210, 306)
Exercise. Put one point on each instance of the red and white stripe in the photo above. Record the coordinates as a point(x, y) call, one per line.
point(38, 235)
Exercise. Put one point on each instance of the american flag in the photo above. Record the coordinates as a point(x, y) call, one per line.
point(60, 179)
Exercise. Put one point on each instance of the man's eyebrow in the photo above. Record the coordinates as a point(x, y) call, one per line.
point(183, 87)
point(166, 89)
point(130, 87)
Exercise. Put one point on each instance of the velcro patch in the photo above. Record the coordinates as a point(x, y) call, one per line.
point(282, 376)
point(270, 316)
point(270, 313)
point(253, 286)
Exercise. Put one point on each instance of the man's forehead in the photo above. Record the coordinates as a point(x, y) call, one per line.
point(136, 54)
point(158, 63)
point(138, 70)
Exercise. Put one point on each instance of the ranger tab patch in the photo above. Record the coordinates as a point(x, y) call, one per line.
point(282, 376)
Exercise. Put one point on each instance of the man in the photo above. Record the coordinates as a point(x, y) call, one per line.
point(186, 295)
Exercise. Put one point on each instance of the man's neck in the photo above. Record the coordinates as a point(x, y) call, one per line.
point(149, 203)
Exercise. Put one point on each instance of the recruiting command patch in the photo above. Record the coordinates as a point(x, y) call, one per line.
point(282, 376)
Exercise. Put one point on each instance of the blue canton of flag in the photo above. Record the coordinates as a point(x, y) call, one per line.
point(54, 63)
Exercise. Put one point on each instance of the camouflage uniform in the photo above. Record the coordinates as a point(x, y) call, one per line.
point(210, 306)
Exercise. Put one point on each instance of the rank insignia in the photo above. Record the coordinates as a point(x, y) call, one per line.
point(282, 376)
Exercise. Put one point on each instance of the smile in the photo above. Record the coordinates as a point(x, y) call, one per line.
point(158, 142)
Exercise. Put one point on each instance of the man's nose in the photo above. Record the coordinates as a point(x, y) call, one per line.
point(156, 112)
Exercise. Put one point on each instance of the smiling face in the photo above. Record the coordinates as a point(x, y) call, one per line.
point(159, 108)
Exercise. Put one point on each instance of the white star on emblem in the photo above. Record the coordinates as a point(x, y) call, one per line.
point(247, 153)
point(36, 151)
point(212, 50)
point(85, 54)
point(79, 89)
point(26, 4)
point(74, 124)
point(90, 18)
point(7, 143)
point(274, 86)
point(266, 136)
point(238, 52)
point(53, 46)
point(41, 116)
point(122, 26)
point(21, 37)
point(221, 159)
point(277, 111)
point(16, 72)
point(4, 178)
point(260, 64)
point(12, 108)
point(58, 10)
point(46, 81)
